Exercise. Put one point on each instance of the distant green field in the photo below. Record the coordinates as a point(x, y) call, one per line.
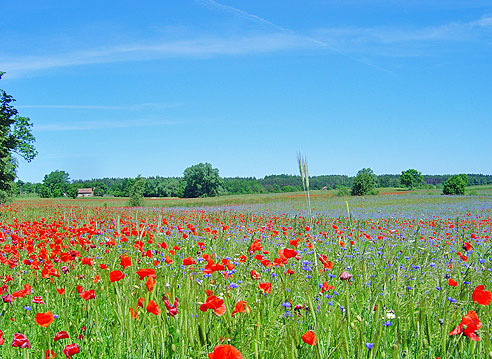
point(320, 200)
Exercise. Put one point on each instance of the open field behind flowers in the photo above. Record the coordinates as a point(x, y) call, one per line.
point(398, 276)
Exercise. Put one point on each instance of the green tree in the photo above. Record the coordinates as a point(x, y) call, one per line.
point(137, 193)
point(411, 178)
point(455, 185)
point(15, 137)
point(202, 180)
point(55, 184)
point(364, 182)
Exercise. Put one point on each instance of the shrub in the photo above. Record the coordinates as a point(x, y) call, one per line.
point(343, 192)
point(364, 182)
point(136, 193)
point(455, 185)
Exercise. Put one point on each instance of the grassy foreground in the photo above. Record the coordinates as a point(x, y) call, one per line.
point(392, 278)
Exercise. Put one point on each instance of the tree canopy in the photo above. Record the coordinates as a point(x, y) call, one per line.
point(15, 137)
point(202, 180)
point(411, 178)
point(455, 185)
point(364, 183)
point(137, 193)
point(55, 184)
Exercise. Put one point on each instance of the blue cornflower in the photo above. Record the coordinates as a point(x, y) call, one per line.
point(369, 345)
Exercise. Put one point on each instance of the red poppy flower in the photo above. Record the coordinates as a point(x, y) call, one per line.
point(266, 287)
point(87, 261)
point(326, 263)
point(172, 310)
point(116, 276)
point(452, 282)
point(153, 308)
point(467, 246)
point(468, 325)
point(326, 287)
point(133, 313)
point(44, 319)
point(214, 303)
point(125, 261)
point(225, 352)
point(20, 341)
point(103, 266)
point(37, 300)
point(288, 252)
point(481, 296)
point(254, 274)
point(241, 307)
point(146, 272)
point(140, 302)
point(188, 261)
point(70, 350)
point(150, 284)
point(88, 294)
point(61, 335)
point(309, 338)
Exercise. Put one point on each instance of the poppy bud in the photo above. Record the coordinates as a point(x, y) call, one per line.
point(345, 276)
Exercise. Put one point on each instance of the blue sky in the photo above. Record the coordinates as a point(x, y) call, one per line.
point(121, 88)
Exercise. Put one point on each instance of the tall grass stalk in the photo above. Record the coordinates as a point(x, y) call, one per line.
point(303, 170)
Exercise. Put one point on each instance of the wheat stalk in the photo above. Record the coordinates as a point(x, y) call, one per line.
point(303, 170)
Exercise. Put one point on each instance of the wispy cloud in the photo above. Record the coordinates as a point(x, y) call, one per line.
point(135, 107)
point(361, 39)
point(198, 48)
point(101, 125)
point(327, 44)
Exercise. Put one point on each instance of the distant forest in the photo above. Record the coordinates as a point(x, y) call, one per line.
point(174, 186)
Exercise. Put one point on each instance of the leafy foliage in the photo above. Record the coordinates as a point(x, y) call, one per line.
point(137, 192)
point(411, 178)
point(364, 182)
point(15, 137)
point(455, 185)
point(55, 184)
point(202, 180)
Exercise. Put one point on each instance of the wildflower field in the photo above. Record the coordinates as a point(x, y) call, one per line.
point(397, 276)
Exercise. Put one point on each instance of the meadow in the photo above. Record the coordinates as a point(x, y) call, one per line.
point(399, 275)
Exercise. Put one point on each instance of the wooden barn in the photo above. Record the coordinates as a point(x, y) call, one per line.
point(85, 192)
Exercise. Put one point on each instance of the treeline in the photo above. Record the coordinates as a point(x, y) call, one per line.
point(175, 186)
